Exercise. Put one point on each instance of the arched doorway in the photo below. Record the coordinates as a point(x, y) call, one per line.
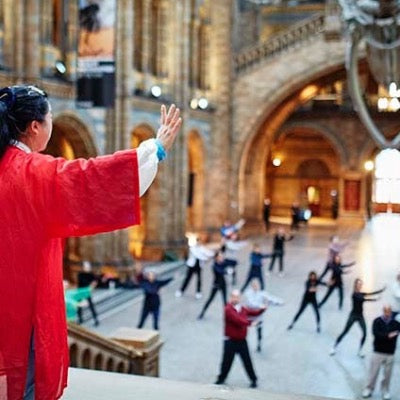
point(195, 202)
point(307, 173)
point(138, 233)
point(71, 139)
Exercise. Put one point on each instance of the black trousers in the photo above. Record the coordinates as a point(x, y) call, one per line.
point(145, 312)
point(189, 273)
point(329, 292)
point(92, 309)
point(216, 287)
point(351, 320)
point(254, 274)
point(303, 306)
point(275, 255)
point(231, 347)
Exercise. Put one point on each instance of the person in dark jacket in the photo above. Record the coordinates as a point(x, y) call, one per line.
point(356, 315)
point(278, 250)
point(310, 297)
point(337, 270)
point(219, 268)
point(295, 214)
point(267, 213)
point(152, 302)
point(237, 320)
point(87, 278)
point(386, 329)
point(255, 271)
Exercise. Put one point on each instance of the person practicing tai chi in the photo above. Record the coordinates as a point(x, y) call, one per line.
point(219, 268)
point(255, 271)
point(230, 231)
point(198, 254)
point(337, 270)
point(335, 247)
point(310, 297)
point(256, 299)
point(45, 200)
point(278, 250)
point(386, 330)
point(356, 315)
point(151, 302)
point(237, 319)
point(230, 247)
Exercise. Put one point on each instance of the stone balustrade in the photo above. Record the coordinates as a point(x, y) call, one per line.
point(300, 32)
point(89, 350)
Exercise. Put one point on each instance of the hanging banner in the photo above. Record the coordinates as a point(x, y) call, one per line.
point(96, 63)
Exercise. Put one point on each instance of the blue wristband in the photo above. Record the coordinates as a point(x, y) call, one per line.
point(161, 153)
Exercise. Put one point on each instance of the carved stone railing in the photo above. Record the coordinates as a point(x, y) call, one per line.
point(89, 350)
point(300, 32)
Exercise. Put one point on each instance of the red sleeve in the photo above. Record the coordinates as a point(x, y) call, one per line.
point(235, 318)
point(83, 197)
point(253, 312)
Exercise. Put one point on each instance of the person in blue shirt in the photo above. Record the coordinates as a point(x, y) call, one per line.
point(219, 268)
point(152, 302)
point(255, 270)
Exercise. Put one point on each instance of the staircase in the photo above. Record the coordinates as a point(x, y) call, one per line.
point(299, 33)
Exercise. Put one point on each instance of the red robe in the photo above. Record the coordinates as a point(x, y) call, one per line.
point(43, 200)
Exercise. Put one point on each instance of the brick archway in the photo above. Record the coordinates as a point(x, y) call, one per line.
point(195, 207)
point(140, 234)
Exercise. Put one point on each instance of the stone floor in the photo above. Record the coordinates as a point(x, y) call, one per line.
point(97, 385)
point(295, 362)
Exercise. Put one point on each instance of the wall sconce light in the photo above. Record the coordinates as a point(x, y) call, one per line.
point(276, 162)
point(156, 91)
point(369, 165)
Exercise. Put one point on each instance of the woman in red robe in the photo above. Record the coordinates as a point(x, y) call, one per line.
point(43, 200)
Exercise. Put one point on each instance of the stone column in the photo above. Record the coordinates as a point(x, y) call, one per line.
point(32, 40)
point(167, 219)
point(118, 122)
point(19, 39)
point(147, 43)
point(218, 194)
point(72, 38)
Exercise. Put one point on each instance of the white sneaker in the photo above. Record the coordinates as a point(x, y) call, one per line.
point(178, 293)
point(198, 295)
point(333, 351)
point(366, 393)
point(386, 396)
point(281, 274)
point(361, 354)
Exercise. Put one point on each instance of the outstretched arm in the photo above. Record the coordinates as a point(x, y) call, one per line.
point(151, 151)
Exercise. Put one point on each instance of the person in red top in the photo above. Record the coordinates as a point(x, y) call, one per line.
point(237, 320)
point(44, 200)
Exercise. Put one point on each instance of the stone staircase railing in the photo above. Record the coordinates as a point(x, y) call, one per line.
point(300, 32)
point(89, 350)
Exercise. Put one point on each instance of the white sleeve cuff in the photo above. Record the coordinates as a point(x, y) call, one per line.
point(148, 162)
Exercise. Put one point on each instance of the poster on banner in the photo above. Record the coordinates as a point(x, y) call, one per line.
point(96, 63)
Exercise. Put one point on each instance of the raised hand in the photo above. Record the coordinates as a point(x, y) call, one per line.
point(169, 126)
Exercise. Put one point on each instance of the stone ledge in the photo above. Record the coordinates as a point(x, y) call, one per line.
point(97, 385)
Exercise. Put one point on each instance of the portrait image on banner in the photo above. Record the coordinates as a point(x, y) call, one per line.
point(96, 64)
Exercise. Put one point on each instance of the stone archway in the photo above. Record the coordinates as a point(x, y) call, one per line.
point(308, 172)
point(72, 139)
point(272, 94)
point(195, 203)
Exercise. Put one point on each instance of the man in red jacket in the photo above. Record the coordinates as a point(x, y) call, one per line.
point(236, 323)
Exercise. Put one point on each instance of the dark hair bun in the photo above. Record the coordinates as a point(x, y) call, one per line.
point(7, 96)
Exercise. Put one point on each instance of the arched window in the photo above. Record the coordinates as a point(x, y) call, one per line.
point(387, 177)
